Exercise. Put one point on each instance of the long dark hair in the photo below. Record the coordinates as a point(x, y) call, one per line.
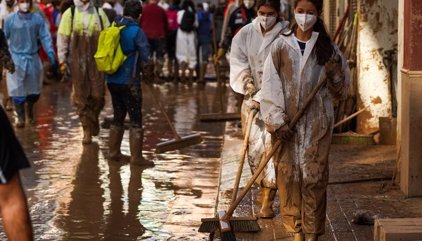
point(323, 48)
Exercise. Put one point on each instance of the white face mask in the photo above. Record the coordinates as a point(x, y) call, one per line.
point(305, 21)
point(24, 7)
point(249, 4)
point(81, 5)
point(266, 22)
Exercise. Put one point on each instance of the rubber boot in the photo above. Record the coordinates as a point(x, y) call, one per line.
point(30, 109)
point(311, 237)
point(170, 69)
point(95, 127)
point(183, 67)
point(114, 143)
point(20, 112)
point(87, 139)
point(191, 75)
point(298, 237)
point(202, 72)
point(175, 71)
point(267, 200)
point(158, 68)
point(136, 138)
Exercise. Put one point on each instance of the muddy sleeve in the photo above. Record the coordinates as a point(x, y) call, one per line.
point(5, 58)
point(272, 104)
point(239, 64)
point(63, 35)
point(62, 47)
point(12, 156)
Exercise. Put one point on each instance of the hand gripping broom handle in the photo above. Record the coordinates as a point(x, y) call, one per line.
point(243, 154)
point(276, 145)
point(158, 102)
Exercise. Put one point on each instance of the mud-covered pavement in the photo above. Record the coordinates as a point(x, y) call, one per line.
point(75, 193)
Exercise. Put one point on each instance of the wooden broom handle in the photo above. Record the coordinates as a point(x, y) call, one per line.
point(243, 154)
point(158, 102)
point(275, 147)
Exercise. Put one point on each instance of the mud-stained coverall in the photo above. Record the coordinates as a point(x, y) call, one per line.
point(249, 50)
point(78, 41)
point(302, 177)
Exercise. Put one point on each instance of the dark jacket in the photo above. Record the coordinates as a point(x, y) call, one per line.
point(132, 40)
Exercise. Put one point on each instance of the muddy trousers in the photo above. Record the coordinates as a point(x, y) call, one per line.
point(88, 98)
point(126, 100)
point(302, 203)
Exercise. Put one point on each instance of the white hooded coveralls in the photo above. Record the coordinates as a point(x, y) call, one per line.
point(249, 50)
point(302, 176)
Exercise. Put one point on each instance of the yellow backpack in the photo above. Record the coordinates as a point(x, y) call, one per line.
point(109, 56)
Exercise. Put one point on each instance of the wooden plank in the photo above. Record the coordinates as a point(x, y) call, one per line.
point(397, 228)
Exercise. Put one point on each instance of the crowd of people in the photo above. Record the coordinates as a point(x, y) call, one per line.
point(274, 66)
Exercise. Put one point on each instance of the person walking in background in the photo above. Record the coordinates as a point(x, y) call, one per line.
point(78, 35)
point(186, 39)
point(239, 17)
point(250, 47)
point(173, 25)
point(155, 24)
point(163, 4)
point(125, 87)
point(7, 7)
point(204, 38)
point(112, 8)
point(23, 30)
point(115, 5)
point(13, 205)
point(298, 61)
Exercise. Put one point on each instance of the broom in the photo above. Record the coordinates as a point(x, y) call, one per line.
point(240, 224)
point(178, 142)
point(223, 221)
point(214, 117)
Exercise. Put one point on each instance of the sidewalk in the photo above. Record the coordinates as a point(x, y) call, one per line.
point(360, 182)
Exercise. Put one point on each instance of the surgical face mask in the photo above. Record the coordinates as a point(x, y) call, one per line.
point(24, 7)
point(249, 4)
point(305, 21)
point(266, 21)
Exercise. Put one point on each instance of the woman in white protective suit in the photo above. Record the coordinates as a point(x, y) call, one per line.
point(297, 62)
point(250, 47)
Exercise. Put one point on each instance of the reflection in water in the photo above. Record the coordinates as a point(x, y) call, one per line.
point(123, 221)
point(76, 194)
point(85, 215)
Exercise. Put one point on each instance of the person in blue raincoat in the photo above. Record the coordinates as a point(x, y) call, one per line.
point(125, 86)
point(22, 30)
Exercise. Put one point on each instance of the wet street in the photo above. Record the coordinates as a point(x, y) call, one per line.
point(75, 193)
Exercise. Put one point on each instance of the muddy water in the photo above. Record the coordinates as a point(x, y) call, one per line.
point(76, 194)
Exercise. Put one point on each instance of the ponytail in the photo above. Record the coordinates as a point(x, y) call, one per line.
point(323, 48)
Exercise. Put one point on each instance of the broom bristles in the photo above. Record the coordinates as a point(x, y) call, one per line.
point(241, 225)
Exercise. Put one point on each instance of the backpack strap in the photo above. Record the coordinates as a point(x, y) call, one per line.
point(99, 17)
point(72, 11)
